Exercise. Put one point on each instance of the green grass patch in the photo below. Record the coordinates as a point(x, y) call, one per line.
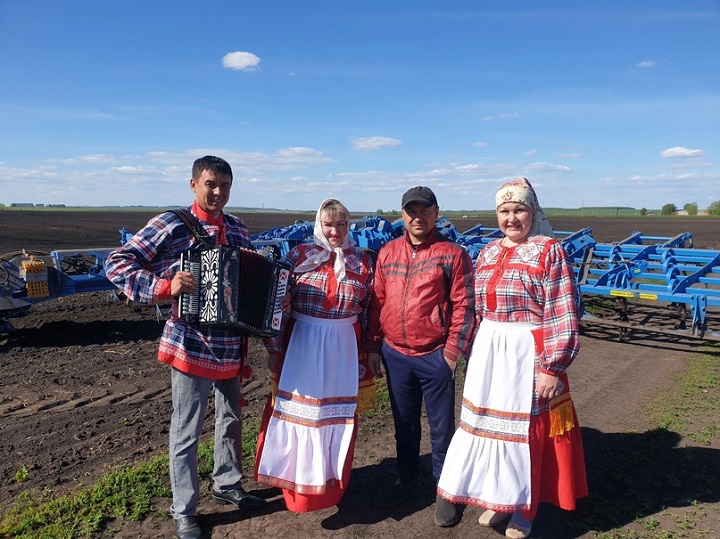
point(659, 483)
point(127, 493)
point(691, 407)
point(382, 406)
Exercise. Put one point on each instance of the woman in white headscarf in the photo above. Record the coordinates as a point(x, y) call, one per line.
point(318, 369)
point(518, 442)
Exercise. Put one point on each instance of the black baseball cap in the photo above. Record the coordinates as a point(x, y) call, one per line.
point(421, 195)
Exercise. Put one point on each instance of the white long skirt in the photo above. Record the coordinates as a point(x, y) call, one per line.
point(310, 431)
point(488, 461)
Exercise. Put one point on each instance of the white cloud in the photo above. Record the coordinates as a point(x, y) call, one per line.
point(479, 144)
point(92, 159)
point(541, 166)
point(241, 61)
point(680, 152)
point(503, 116)
point(467, 168)
point(646, 64)
point(130, 169)
point(300, 155)
point(374, 143)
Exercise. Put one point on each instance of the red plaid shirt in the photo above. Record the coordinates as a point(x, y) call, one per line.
point(143, 269)
point(317, 293)
point(534, 283)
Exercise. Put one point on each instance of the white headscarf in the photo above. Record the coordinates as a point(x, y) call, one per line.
point(322, 250)
point(521, 192)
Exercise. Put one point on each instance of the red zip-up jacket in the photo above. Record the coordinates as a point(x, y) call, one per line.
point(423, 299)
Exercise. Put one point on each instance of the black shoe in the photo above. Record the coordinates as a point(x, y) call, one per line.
point(446, 514)
point(187, 528)
point(243, 500)
point(395, 495)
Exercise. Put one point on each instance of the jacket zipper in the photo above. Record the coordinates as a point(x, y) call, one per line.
point(407, 289)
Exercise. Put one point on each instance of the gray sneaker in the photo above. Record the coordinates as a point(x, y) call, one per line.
point(446, 514)
point(395, 495)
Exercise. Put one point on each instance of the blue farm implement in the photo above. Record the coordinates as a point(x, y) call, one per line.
point(369, 232)
point(31, 277)
point(654, 270)
point(641, 283)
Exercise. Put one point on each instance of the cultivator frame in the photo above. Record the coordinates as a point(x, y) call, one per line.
point(637, 274)
point(646, 269)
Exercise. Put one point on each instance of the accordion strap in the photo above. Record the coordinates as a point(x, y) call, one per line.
point(193, 225)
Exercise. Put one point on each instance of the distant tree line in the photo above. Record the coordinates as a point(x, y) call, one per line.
point(691, 208)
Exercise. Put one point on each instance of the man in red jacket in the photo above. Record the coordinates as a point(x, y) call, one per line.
point(421, 319)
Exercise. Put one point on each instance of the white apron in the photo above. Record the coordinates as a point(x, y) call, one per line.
point(488, 461)
point(311, 427)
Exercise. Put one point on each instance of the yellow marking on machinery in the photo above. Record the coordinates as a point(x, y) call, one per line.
point(648, 296)
point(36, 278)
point(622, 294)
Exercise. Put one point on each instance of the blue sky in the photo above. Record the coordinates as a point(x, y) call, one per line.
point(606, 103)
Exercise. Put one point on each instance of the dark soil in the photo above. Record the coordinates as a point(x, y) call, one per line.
point(82, 392)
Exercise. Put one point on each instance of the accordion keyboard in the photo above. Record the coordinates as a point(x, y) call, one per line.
point(189, 304)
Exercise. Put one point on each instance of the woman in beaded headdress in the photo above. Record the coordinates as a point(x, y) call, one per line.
point(518, 442)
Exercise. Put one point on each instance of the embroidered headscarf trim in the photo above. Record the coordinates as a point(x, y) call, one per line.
point(520, 191)
point(321, 253)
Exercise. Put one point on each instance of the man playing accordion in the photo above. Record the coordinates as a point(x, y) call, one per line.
point(147, 269)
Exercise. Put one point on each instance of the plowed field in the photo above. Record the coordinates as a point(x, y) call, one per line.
point(81, 392)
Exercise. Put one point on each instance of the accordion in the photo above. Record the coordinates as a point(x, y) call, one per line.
point(237, 289)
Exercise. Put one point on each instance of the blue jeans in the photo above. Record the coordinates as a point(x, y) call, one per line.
point(189, 399)
point(409, 379)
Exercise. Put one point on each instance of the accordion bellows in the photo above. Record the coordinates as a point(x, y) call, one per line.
point(238, 289)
